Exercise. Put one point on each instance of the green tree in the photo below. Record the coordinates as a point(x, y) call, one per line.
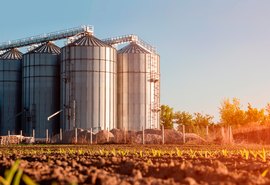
point(166, 116)
point(231, 113)
point(201, 120)
point(254, 115)
point(183, 118)
point(267, 114)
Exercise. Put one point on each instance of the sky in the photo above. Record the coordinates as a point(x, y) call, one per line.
point(209, 49)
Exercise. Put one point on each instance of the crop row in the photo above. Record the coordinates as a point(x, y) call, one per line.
point(246, 154)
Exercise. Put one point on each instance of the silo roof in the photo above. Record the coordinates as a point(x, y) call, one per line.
point(133, 48)
point(47, 47)
point(13, 54)
point(89, 40)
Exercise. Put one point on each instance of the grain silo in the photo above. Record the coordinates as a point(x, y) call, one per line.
point(10, 91)
point(41, 89)
point(88, 84)
point(138, 84)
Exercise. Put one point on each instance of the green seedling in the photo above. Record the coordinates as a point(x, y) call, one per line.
point(113, 152)
point(262, 155)
point(9, 176)
point(141, 153)
point(28, 180)
point(265, 172)
point(179, 153)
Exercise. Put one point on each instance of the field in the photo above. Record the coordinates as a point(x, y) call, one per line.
point(135, 164)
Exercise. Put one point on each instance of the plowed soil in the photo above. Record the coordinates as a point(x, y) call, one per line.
point(91, 164)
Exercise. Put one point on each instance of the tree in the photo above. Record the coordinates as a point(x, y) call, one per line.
point(231, 113)
point(166, 116)
point(254, 115)
point(267, 110)
point(201, 120)
point(183, 118)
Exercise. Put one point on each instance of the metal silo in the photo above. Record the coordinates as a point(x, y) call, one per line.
point(138, 74)
point(41, 89)
point(88, 84)
point(10, 91)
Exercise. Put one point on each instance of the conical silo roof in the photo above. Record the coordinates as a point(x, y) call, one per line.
point(133, 48)
point(13, 54)
point(47, 47)
point(89, 40)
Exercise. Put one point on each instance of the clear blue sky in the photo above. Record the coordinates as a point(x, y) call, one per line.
point(210, 49)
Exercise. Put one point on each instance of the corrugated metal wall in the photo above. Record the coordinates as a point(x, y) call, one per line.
point(88, 78)
point(10, 91)
point(41, 90)
point(135, 90)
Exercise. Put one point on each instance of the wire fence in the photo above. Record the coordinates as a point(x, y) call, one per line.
point(184, 134)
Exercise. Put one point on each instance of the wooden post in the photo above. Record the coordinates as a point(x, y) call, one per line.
point(163, 138)
point(184, 134)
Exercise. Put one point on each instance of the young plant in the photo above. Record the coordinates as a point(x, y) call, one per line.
point(9, 176)
point(179, 153)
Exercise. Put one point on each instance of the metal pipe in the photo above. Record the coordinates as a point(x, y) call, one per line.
point(54, 114)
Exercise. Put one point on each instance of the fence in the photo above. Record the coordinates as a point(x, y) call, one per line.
point(185, 134)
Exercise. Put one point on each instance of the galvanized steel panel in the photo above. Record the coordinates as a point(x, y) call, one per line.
point(91, 84)
point(10, 92)
point(136, 91)
point(41, 90)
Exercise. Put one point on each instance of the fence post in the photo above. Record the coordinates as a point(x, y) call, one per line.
point(33, 134)
point(47, 135)
point(61, 135)
point(143, 135)
point(125, 135)
point(91, 136)
point(76, 135)
point(21, 135)
point(184, 134)
point(108, 139)
point(223, 134)
point(8, 136)
point(230, 134)
point(207, 132)
point(163, 139)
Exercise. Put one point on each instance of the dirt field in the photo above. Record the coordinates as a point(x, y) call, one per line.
point(137, 164)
